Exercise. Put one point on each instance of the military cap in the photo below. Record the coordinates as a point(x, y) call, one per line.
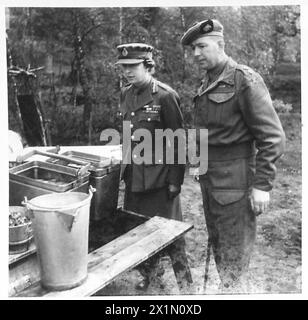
point(202, 29)
point(132, 53)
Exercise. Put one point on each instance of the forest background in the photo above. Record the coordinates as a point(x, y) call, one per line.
point(77, 85)
point(76, 88)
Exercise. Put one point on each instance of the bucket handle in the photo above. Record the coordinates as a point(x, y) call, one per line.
point(91, 189)
point(29, 206)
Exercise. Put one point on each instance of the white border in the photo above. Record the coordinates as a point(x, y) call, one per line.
point(142, 3)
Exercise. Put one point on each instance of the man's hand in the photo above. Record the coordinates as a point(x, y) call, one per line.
point(259, 200)
point(173, 191)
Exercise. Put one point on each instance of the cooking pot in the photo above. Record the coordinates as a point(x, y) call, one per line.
point(21, 232)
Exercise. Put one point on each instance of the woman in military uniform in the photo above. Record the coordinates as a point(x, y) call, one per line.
point(151, 189)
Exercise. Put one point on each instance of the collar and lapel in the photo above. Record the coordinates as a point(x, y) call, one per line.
point(226, 76)
point(144, 99)
point(135, 100)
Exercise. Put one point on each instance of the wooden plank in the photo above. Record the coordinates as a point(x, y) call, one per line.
point(108, 262)
point(23, 270)
point(128, 239)
point(23, 274)
point(122, 242)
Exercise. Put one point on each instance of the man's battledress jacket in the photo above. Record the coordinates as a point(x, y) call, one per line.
point(238, 112)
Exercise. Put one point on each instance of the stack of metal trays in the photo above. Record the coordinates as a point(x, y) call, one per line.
point(104, 177)
point(35, 178)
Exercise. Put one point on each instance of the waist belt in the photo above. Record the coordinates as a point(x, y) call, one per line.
point(231, 152)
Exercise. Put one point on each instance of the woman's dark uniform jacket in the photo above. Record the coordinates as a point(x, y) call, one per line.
point(154, 106)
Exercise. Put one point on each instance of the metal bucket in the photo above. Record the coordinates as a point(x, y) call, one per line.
point(60, 224)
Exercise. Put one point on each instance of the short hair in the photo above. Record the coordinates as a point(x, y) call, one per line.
point(149, 64)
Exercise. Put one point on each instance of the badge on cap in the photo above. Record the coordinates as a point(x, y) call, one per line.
point(124, 52)
point(207, 26)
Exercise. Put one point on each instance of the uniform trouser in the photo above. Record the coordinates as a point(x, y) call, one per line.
point(230, 221)
point(154, 203)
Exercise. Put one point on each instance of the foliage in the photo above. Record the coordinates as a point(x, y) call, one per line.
point(260, 36)
point(285, 84)
point(282, 107)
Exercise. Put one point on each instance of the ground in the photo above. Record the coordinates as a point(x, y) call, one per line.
point(275, 267)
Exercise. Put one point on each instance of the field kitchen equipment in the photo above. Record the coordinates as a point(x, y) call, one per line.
point(20, 229)
point(61, 232)
point(35, 178)
point(104, 177)
point(64, 257)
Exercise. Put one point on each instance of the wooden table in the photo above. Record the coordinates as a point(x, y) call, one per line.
point(156, 235)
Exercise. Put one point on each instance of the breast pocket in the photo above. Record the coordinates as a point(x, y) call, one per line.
point(220, 108)
point(220, 97)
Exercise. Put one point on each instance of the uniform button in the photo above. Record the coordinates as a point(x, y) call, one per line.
point(132, 114)
point(133, 137)
point(149, 119)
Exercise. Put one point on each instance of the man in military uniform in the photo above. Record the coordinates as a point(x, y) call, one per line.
point(153, 188)
point(245, 138)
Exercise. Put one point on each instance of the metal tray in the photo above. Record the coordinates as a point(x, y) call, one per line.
point(99, 165)
point(46, 175)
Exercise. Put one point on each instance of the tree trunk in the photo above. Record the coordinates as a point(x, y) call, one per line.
point(183, 24)
point(84, 80)
point(121, 18)
point(121, 35)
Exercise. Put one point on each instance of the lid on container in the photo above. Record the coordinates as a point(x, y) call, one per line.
point(98, 163)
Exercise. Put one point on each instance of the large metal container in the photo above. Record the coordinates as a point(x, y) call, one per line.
point(35, 178)
point(61, 232)
point(104, 177)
